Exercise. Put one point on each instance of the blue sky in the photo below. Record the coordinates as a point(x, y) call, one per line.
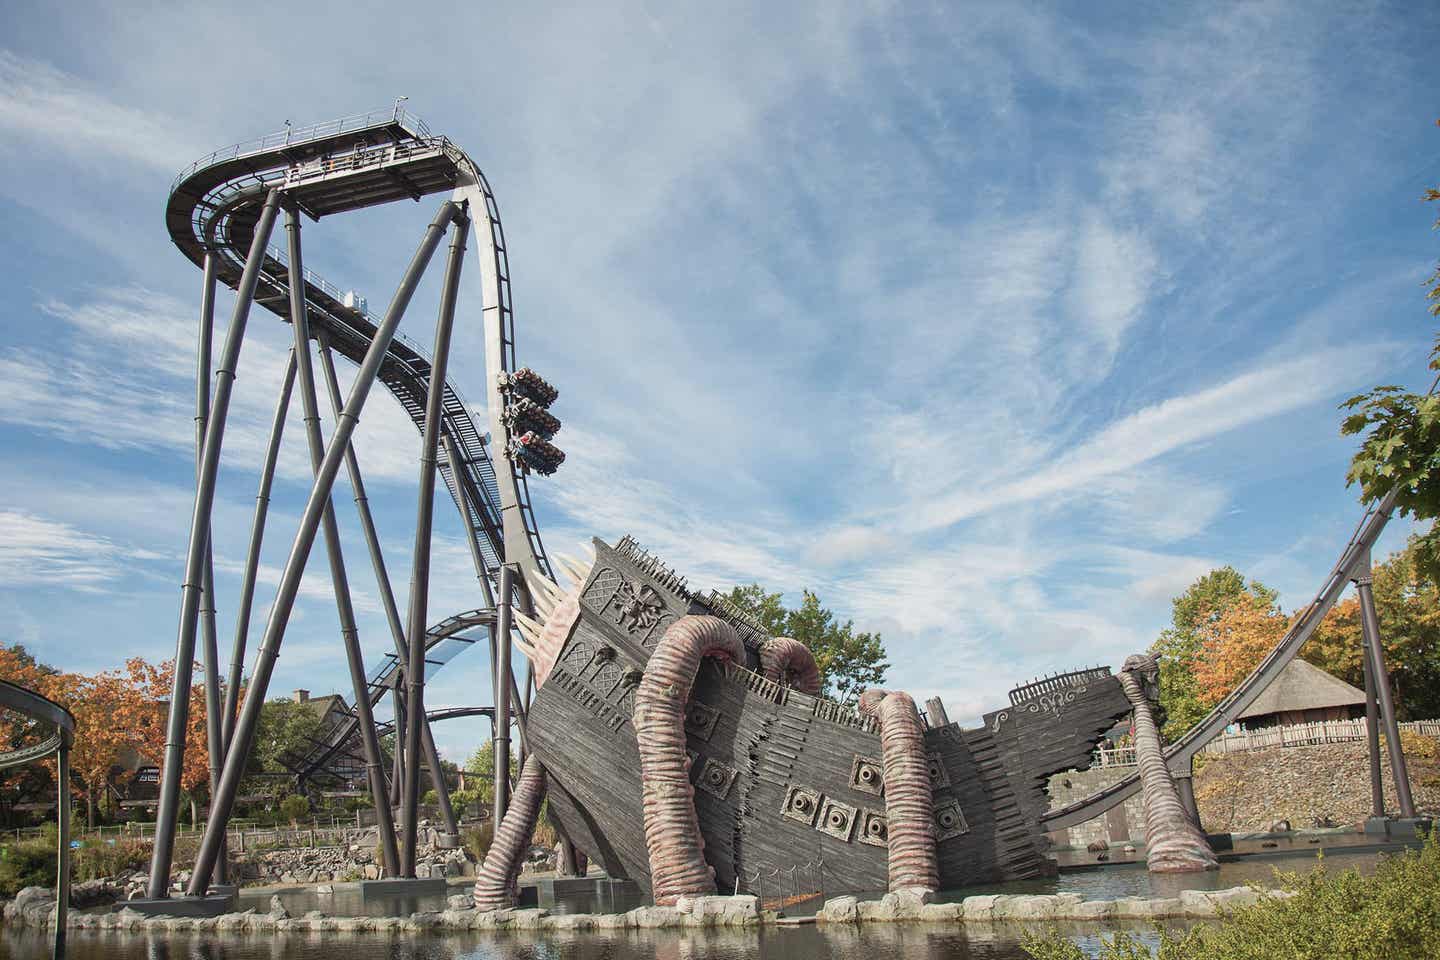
point(994, 324)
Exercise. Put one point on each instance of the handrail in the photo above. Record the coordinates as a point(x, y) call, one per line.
point(295, 136)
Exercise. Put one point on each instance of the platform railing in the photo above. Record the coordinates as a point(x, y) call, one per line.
point(298, 135)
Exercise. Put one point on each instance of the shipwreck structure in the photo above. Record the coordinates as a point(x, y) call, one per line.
point(664, 710)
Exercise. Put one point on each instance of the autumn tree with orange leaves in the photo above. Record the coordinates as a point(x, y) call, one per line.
point(1233, 642)
point(119, 723)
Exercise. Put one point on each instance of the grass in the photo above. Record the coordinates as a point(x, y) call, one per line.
point(1392, 914)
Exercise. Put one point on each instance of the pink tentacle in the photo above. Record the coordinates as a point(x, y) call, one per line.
point(495, 886)
point(790, 662)
point(909, 805)
point(672, 829)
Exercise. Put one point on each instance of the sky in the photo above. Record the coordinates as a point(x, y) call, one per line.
point(994, 325)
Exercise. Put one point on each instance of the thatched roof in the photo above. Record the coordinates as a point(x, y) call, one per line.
point(1303, 686)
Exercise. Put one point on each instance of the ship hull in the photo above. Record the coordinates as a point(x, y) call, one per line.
point(787, 785)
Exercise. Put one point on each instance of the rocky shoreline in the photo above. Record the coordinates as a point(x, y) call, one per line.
point(34, 907)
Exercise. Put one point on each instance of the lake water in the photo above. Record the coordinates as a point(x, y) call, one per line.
point(833, 942)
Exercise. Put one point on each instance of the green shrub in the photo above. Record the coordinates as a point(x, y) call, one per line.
point(26, 863)
point(1393, 914)
point(105, 858)
point(294, 807)
point(478, 839)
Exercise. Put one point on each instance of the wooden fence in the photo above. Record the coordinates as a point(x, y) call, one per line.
point(1294, 735)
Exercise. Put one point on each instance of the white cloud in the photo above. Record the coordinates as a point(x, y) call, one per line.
point(40, 102)
point(1161, 428)
point(36, 551)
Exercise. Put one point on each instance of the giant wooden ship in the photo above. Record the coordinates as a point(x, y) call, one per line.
point(783, 778)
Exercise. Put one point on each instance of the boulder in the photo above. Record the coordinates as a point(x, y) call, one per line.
point(840, 910)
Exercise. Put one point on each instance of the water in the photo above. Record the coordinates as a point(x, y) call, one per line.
point(821, 942)
point(874, 942)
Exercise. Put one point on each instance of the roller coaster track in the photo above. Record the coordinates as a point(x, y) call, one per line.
point(1180, 753)
point(444, 641)
point(344, 165)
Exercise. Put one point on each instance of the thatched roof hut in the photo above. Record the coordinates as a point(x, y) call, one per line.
point(1303, 693)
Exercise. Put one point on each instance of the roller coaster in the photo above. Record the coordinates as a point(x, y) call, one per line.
point(221, 213)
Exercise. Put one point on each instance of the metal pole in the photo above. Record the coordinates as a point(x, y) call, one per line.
point(214, 745)
point(300, 552)
point(467, 505)
point(1372, 730)
point(168, 807)
point(349, 633)
point(252, 554)
point(392, 616)
point(397, 770)
point(420, 563)
point(62, 853)
point(502, 703)
point(1370, 625)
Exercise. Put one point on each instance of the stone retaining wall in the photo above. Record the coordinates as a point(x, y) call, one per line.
point(35, 907)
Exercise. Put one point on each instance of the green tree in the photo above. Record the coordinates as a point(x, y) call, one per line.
point(1407, 604)
point(285, 727)
point(1400, 445)
point(479, 769)
point(848, 661)
point(1203, 602)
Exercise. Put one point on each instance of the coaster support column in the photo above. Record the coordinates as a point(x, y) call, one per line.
point(420, 563)
point(1370, 626)
point(252, 553)
point(349, 633)
point(392, 617)
point(169, 801)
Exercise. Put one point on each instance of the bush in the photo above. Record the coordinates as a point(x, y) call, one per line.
point(1393, 914)
point(31, 863)
point(26, 863)
point(106, 858)
point(477, 840)
point(294, 807)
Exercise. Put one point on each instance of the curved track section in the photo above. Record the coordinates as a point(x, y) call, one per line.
point(1179, 754)
point(349, 164)
point(443, 642)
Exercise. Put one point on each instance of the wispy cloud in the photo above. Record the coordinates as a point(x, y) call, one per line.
point(40, 102)
point(37, 551)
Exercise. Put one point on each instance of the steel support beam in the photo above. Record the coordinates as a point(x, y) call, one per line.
point(289, 587)
point(506, 681)
point(214, 737)
point(397, 755)
point(62, 846)
point(1370, 626)
point(169, 802)
point(420, 562)
point(349, 632)
point(392, 617)
point(252, 553)
point(1372, 730)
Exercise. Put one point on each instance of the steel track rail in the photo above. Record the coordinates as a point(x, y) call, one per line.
point(1179, 754)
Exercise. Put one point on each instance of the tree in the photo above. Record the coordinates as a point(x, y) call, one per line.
point(1232, 644)
point(19, 667)
point(1400, 445)
point(1178, 645)
point(285, 727)
point(848, 661)
point(96, 701)
point(1407, 604)
point(480, 768)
